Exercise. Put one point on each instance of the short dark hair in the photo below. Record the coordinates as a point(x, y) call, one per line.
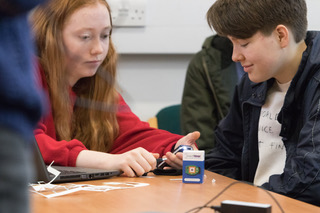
point(243, 18)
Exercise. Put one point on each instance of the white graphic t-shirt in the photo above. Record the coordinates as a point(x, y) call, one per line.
point(272, 153)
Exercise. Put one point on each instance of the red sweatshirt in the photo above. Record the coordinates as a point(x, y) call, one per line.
point(133, 133)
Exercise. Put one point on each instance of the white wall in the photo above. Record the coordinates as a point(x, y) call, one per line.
point(172, 27)
point(151, 82)
point(153, 59)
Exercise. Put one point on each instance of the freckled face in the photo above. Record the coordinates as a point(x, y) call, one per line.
point(86, 41)
point(261, 56)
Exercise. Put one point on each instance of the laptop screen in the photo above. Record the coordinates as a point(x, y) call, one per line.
point(68, 174)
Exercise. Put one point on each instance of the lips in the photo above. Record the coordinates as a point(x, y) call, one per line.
point(94, 61)
point(246, 67)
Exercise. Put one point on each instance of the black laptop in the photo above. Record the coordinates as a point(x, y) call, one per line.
point(68, 174)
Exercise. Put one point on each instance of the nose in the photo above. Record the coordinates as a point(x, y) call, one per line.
point(97, 47)
point(237, 56)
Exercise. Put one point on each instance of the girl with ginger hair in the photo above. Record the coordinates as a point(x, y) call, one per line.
point(88, 123)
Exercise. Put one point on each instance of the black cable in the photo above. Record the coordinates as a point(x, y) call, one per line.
point(215, 197)
point(221, 192)
point(275, 200)
point(197, 208)
point(216, 208)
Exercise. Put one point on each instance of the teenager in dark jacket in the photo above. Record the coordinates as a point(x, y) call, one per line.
point(20, 106)
point(271, 136)
point(208, 89)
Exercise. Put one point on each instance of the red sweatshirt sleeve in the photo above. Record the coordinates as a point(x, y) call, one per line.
point(133, 133)
point(136, 133)
point(63, 152)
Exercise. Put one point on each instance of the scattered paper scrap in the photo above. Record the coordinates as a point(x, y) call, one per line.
point(49, 190)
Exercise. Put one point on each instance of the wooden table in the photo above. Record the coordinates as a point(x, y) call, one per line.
point(165, 194)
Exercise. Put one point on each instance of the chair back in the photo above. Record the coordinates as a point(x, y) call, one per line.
point(169, 119)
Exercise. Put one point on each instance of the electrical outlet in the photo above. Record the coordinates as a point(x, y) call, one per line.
point(128, 13)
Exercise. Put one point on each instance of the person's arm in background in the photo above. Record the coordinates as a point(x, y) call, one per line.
point(17, 7)
point(208, 90)
point(20, 106)
point(197, 105)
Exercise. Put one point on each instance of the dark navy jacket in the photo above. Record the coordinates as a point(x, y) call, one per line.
point(20, 100)
point(236, 154)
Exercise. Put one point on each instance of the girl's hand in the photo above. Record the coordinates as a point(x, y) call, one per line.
point(136, 162)
point(133, 163)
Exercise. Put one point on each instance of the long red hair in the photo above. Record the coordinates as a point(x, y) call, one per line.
point(92, 120)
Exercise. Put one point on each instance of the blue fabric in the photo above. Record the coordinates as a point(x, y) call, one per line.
point(20, 100)
point(236, 154)
point(16, 173)
point(17, 7)
point(240, 70)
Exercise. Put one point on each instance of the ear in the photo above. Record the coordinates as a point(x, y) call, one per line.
point(282, 33)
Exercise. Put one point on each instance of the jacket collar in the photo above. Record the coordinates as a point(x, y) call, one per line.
point(308, 69)
point(310, 64)
point(259, 92)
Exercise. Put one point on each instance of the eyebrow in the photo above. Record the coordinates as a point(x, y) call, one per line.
point(91, 28)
